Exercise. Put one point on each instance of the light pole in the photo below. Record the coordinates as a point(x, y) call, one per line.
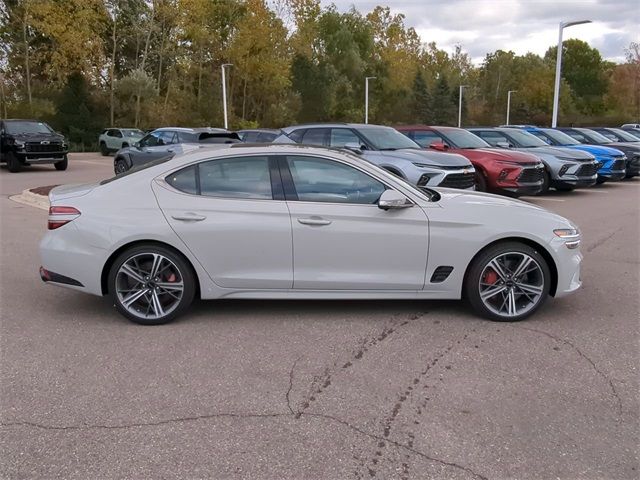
point(224, 94)
point(366, 98)
point(509, 103)
point(460, 106)
point(556, 90)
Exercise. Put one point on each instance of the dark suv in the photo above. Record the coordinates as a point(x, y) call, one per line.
point(30, 142)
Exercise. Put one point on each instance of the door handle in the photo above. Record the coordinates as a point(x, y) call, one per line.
point(314, 221)
point(189, 217)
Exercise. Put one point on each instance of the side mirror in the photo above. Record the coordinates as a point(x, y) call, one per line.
point(503, 145)
point(354, 147)
point(440, 146)
point(137, 144)
point(392, 199)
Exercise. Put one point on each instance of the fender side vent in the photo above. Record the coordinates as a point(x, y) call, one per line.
point(440, 274)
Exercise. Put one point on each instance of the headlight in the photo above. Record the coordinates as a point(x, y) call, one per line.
point(571, 236)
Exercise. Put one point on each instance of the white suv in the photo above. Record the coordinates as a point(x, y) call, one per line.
point(113, 139)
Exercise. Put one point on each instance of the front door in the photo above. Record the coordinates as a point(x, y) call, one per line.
point(341, 239)
point(225, 212)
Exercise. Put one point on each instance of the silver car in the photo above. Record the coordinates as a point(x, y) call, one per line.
point(113, 139)
point(388, 149)
point(297, 222)
point(167, 142)
point(565, 168)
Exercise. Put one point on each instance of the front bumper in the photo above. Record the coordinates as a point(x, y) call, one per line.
point(568, 265)
point(633, 166)
point(461, 178)
point(36, 158)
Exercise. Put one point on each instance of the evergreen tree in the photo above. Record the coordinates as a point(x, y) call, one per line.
point(442, 106)
point(76, 116)
point(421, 100)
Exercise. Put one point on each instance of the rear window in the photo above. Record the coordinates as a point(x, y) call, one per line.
point(136, 169)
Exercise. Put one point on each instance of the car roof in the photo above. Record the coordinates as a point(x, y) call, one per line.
point(268, 130)
point(334, 124)
point(22, 120)
point(192, 130)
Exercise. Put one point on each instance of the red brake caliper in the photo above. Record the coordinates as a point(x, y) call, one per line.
point(490, 277)
point(171, 278)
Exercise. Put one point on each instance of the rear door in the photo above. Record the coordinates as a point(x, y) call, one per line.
point(341, 239)
point(231, 214)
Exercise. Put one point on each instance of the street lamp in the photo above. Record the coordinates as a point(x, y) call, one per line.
point(509, 103)
point(556, 90)
point(366, 98)
point(460, 106)
point(224, 94)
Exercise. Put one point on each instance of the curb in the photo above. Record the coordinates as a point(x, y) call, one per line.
point(32, 199)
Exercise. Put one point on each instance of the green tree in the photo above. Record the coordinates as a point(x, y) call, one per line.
point(421, 100)
point(443, 107)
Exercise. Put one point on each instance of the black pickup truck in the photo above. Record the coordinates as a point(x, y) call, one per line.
point(30, 142)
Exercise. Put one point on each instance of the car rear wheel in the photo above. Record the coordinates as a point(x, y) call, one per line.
point(125, 145)
point(151, 285)
point(507, 282)
point(103, 149)
point(13, 164)
point(62, 164)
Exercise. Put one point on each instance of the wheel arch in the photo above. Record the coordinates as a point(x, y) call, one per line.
point(106, 268)
point(396, 171)
point(553, 269)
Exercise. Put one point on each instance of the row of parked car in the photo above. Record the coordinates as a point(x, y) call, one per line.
point(513, 160)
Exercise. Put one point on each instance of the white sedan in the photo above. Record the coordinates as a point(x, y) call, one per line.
point(288, 221)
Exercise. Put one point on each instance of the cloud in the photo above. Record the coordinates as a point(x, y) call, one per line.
point(523, 26)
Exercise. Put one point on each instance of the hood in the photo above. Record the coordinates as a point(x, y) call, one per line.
point(563, 152)
point(629, 146)
point(499, 154)
point(421, 156)
point(69, 191)
point(597, 150)
point(479, 201)
point(37, 137)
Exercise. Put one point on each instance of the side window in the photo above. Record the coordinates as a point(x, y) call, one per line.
point(341, 136)
point(424, 138)
point(117, 133)
point(167, 138)
point(111, 133)
point(323, 180)
point(296, 135)
point(184, 180)
point(185, 137)
point(151, 140)
point(266, 137)
point(542, 137)
point(251, 137)
point(315, 136)
point(243, 177)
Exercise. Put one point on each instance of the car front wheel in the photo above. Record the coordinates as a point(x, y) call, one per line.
point(120, 166)
point(151, 285)
point(62, 164)
point(507, 282)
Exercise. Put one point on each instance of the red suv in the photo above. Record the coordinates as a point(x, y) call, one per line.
point(497, 170)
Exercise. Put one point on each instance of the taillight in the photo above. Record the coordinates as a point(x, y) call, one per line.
point(59, 216)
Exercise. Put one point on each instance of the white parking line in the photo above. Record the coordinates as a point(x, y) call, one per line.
point(596, 191)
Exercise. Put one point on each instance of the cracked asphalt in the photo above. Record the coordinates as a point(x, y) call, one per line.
point(322, 390)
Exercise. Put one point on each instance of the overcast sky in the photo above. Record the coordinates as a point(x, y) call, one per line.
point(483, 26)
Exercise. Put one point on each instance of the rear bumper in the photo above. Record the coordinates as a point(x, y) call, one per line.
point(53, 277)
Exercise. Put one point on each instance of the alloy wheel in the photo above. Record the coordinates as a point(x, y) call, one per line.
point(149, 286)
point(511, 284)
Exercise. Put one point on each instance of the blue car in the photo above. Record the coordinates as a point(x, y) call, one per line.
point(612, 161)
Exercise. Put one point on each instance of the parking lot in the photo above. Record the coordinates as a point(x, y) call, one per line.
point(322, 389)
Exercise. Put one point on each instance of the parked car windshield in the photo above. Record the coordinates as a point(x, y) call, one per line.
point(526, 140)
point(464, 139)
point(626, 136)
point(27, 127)
point(560, 137)
point(387, 138)
point(132, 132)
point(594, 136)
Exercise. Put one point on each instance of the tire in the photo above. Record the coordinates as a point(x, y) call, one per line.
point(481, 182)
point(120, 166)
point(62, 164)
point(172, 290)
point(125, 145)
point(565, 189)
point(601, 180)
point(13, 164)
point(508, 256)
point(546, 182)
point(103, 149)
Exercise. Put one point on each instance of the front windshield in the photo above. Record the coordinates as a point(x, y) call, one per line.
point(133, 132)
point(463, 139)
point(594, 136)
point(560, 137)
point(626, 136)
point(19, 127)
point(387, 138)
point(525, 139)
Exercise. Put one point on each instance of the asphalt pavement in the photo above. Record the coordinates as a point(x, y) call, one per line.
point(321, 389)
